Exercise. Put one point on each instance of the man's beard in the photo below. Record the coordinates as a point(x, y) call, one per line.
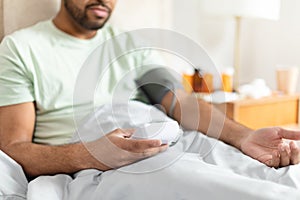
point(81, 18)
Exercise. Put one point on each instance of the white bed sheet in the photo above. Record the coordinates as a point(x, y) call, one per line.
point(13, 182)
point(197, 167)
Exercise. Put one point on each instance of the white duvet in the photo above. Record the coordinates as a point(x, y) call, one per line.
point(197, 167)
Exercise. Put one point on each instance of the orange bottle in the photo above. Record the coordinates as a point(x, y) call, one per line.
point(227, 80)
point(203, 82)
point(197, 83)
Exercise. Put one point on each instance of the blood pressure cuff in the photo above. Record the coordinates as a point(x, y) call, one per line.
point(156, 83)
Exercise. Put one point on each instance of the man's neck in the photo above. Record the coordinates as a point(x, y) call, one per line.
point(67, 24)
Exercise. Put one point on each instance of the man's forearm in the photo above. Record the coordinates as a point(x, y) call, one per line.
point(196, 114)
point(221, 127)
point(39, 159)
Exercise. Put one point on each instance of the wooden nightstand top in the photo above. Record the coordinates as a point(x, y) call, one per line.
point(277, 110)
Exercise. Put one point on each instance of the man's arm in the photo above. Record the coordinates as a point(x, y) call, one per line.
point(265, 145)
point(16, 133)
point(196, 114)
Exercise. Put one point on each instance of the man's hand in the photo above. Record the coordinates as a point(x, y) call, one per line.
point(116, 149)
point(268, 146)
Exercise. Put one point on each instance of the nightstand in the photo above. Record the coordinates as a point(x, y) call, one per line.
point(277, 110)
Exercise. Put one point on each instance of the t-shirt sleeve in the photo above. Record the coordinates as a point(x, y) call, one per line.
point(15, 84)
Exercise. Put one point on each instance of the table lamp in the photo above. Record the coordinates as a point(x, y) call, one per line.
point(264, 9)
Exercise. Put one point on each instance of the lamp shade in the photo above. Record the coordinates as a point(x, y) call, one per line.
point(265, 9)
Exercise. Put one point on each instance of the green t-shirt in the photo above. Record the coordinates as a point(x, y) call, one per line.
point(41, 64)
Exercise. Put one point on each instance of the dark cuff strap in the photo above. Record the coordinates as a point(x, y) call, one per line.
point(156, 83)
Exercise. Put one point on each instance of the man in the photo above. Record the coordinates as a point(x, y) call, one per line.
point(36, 101)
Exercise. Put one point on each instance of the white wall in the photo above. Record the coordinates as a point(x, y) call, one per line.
point(214, 34)
point(16, 14)
point(134, 14)
point(267, 44)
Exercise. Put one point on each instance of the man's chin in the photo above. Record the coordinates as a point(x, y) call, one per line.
point(94, 26)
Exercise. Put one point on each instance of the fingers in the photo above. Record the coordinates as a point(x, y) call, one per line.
point(145, 147)
point(295, 153)
point(286, 155)
point(127, 133)
point(275, 162)
point(266, 159)
point(141, 149)
point(141, 145)
point(153, 151)
point(289, 134)
point(284, 152)
point(271, 160)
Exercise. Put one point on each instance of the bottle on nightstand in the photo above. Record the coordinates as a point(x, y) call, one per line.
point(202, 82)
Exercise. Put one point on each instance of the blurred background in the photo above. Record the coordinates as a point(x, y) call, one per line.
point(265, 44)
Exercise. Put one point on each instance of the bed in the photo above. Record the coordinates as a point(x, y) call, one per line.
point(196, 167)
